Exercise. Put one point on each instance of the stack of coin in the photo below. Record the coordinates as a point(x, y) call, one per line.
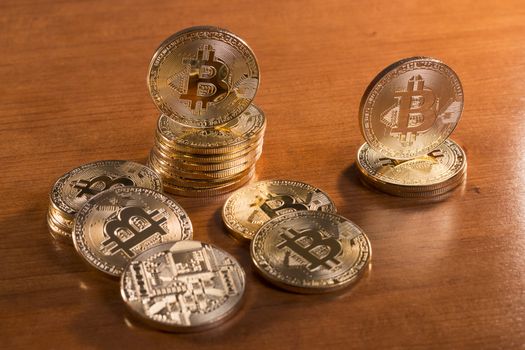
point(73, 189)
point(407, 114)
point(209, 135)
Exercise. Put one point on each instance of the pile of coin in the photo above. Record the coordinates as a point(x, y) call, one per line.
point(298, 243)
point(407, 114)
point(121, 224)
point(73, 189)
point(209, 135)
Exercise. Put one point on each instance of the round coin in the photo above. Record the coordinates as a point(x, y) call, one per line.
point(76, 187)
point(310, 251)
point(246, 210)
point(442, 165)
point(411, 108)
point(183, 286)
point(203, 76)
point(235, 135)
point(118, 224)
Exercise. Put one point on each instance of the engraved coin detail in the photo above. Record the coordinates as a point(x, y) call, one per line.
point(246, 210)
point(203, 76)
point(310, 251)
point(435, 173)
point(183, 286)
point(411, 108)
point(118, 224)
point(76, 187)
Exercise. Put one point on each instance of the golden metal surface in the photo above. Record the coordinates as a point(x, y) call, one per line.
point(183, 286)
point(203, 76)
point(236, 134)
point(435, 170)
point(118, 224)
point(76, 187)
point(411, 107)
point(310, 251)
point(246, 210)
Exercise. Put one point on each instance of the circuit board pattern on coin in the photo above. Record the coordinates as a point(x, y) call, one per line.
point(183, 286)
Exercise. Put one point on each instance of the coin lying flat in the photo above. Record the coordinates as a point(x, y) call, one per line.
point(235, 135)
point(203, 76)
point(246, 210)
point(75, 188)
point(442, 167)
point(118, 224)
point(310, 251)
point(411, 108)
point(183, 286)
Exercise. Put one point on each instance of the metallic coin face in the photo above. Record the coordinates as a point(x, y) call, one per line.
point(411, 108)
point(203, 76)
point(234, 135)
point(250, 207)
point(442, 165)
point(310, 251)
point(118, 224)
point(76, 187)
point(183, 286)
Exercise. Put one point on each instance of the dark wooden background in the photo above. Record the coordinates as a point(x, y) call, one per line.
point(445, 275)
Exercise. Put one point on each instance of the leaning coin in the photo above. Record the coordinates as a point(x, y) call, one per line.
point(203, 76)
point(411, 108)
point(310, 251)
point(246, 210)
point(183, 286)
point(120, 223)
point(76, 187)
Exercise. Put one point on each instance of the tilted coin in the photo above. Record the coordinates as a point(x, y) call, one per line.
point(234, 135)
point(183, 286)
point(118, 224)
point(76, 187)
point(434, 170)
point(203, 76)
point(411, 108)
point(246, 210)
point(310, 251)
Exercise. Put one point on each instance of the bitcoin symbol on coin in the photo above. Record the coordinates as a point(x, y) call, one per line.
point(312, 247)
point(100, 183)
point(131, 227)
point(279, 204)
point(414, 113)
point(207, 81)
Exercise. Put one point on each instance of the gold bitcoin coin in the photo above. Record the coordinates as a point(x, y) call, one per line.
point(310, 251)
point(76, 187)
point(203, 76)
point(246, 210)
point(436, 170)
point(183, 286)
point(411, 108)
point(235, 135)
point(118, 224)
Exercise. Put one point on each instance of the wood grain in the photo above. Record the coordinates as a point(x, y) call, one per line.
point(445, 275)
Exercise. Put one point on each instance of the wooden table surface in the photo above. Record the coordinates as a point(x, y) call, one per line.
point(444, 275)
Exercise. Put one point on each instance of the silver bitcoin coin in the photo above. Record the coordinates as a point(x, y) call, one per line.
point(183, 286)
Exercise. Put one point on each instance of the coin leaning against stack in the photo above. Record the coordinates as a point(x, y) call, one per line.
point(210, 134)
point(406, 115)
